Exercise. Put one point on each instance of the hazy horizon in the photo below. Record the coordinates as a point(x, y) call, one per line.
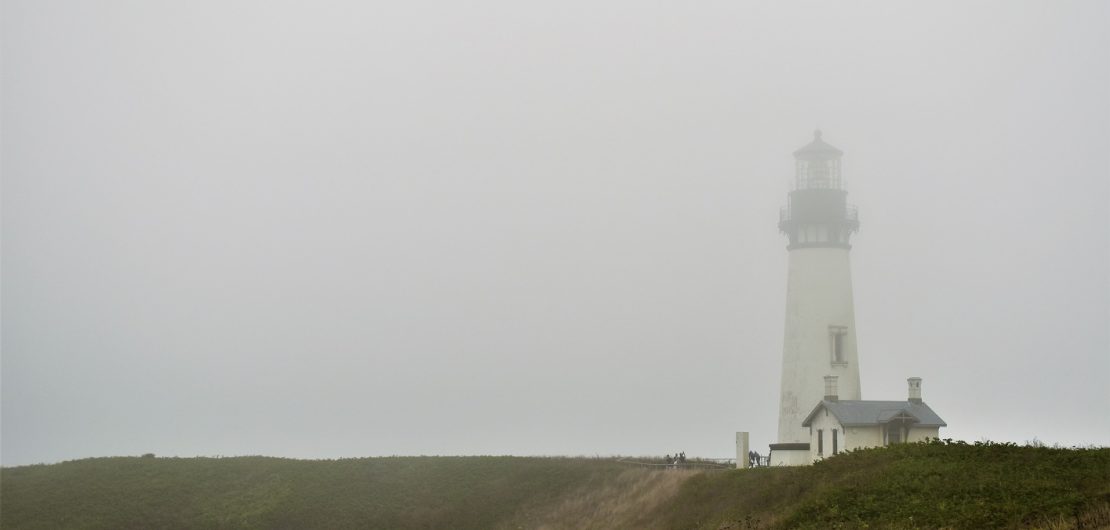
point(355, 229)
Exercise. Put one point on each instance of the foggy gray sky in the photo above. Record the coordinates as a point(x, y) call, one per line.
point(321, 229)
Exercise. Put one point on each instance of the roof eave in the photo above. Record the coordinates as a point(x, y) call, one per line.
point(878, 424)
point(809, 418)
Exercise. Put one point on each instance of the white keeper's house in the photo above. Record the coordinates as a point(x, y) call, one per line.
point(836, 425)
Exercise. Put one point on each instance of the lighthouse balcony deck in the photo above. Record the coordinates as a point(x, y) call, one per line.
point(844, 215)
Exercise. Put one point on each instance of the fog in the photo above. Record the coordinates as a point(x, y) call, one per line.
point(328, 229)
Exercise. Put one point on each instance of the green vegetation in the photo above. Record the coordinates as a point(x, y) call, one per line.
point(939, 484)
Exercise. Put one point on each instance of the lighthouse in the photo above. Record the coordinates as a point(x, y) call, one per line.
point(820, 331)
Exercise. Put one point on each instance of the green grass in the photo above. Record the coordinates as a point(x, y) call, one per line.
point(259, 492)
point(933, 485)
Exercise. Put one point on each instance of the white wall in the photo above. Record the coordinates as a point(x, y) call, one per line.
point(824, 423)
point(919, 434)
point(860, 437)
point(818, 294)
point(781, 457)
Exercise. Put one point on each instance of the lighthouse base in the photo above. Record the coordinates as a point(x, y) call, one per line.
point(790, 454)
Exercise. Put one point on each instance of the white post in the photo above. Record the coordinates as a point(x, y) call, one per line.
point(741, 450)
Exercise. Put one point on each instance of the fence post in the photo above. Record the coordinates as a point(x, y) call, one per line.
point(741, 450)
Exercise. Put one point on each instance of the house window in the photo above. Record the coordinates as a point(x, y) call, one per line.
point(836, 344)
point(834, 441)
point(820, 442)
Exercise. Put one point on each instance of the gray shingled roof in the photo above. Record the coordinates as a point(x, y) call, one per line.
point(817, 146)
point(865, 413)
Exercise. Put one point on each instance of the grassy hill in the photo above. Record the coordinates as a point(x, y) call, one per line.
point(908, 486)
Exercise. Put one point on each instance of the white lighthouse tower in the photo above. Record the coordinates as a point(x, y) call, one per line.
point(820, 338)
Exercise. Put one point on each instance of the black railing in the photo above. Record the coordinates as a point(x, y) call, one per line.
point(715, 464)
point(700, 463)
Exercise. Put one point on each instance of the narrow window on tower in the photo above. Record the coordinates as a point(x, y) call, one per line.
point(836, 344)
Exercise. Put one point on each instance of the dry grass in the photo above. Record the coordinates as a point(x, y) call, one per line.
point(761, 522)
point(1095, 517)
point(625, 500)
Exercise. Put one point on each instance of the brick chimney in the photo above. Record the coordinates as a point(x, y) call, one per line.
point(915, 389)
point(830, 388)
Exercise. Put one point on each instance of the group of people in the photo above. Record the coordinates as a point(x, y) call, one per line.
point(678, 458)
point(754, 459)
